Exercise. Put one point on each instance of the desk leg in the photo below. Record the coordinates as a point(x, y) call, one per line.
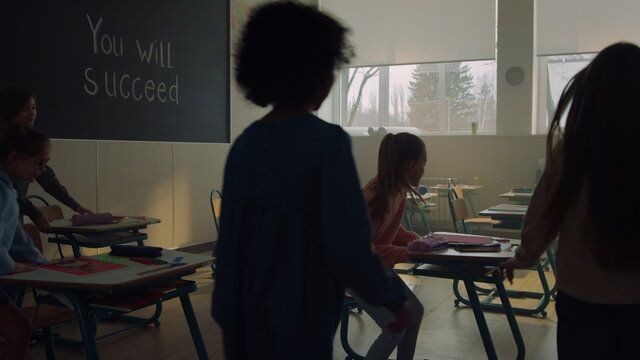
point(508, 311)
point(86, 330)
point(480, 320)
point(193, 327)
point(74, 246)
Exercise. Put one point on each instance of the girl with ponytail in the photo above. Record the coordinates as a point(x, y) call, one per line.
point(401, 161)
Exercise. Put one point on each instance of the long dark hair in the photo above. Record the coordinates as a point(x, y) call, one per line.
point(596, 149)
point(23, 139)
point(394, 151)
point(12, 100)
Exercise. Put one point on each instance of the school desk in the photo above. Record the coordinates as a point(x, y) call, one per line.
point(510, 215)
point(518, 197)
point(413, 212)
point(470, 267)
point(425, 201)
point(126, 230)
point(135, 276)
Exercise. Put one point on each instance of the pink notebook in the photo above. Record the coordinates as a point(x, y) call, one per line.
point(455, 238)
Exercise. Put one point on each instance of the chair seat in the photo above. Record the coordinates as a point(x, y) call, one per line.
point(45, 315)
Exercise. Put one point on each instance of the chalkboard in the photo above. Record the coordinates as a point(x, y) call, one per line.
point(143, 70)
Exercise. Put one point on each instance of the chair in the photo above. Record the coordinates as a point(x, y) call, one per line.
point(44, 316)
point(54, 212)
point(416, 208)
point(34, 234)
point(460, 214)
point(215, 200)
point(39, 198)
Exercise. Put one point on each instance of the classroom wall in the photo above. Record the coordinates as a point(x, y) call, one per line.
point(172, 181)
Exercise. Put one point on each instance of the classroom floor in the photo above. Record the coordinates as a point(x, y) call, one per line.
point(447, 332)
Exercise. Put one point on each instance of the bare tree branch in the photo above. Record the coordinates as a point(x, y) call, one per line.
point(369, 73)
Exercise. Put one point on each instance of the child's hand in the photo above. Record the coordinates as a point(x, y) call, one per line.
point(43, 223)
point(508, 266)
point(403, 317)
point(83, 210)
point(21, 267)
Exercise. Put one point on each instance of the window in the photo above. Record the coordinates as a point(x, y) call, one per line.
point(429, 99)
point(554, 74)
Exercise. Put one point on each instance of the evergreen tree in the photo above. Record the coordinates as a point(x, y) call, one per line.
point(424, 95)
point(425, 105)
point(459, 95)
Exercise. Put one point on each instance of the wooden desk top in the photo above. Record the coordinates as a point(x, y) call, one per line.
point(512, 194)
point(427, 196)
point(442, 187)
point(109, 280)
point(64, 225)
point(451, 254)
point(506, 210)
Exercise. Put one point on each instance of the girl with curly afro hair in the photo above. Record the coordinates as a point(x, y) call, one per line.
point(294, 230)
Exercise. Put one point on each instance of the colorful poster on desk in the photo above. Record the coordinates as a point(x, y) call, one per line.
point(82, 266)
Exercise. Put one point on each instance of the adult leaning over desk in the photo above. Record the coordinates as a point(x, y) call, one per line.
point(598, 268)
point(18, 105)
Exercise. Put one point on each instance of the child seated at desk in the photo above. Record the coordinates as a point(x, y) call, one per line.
point(401, 162)
point(18, 106)
point(24, 152)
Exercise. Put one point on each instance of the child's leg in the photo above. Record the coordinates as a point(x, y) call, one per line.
point(386, 342)
point(407, 346)
point(15, 331)
point(384, 345)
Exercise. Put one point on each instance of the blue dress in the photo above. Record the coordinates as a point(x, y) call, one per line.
point(294, 234)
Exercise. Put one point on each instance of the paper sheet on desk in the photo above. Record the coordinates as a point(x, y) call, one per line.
point(82, 266)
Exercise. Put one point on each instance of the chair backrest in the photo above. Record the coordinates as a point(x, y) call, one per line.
point(215, 198)
point(39, 198)
point(415, 208)
point(458, 208)
point(455, 192)
point(54, 212)
point(34, 234)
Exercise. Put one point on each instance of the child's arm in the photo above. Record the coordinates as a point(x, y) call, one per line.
point(52, 185)
point(6, 262)
point(404, 237)
point(22, 249)
point(538, 230)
